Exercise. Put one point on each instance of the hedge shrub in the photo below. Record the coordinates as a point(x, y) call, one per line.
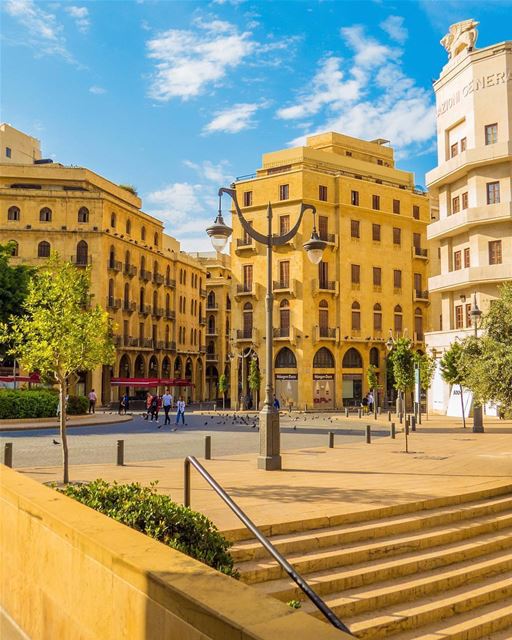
point(77, 405)
point(159, 517)
point(27, 404)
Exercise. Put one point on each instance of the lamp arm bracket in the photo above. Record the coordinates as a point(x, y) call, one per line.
point(259, 237)
point(280, 240)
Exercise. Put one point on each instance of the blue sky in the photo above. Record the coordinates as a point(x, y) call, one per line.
point(178, 98)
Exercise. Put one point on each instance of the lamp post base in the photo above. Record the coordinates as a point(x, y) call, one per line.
point(478, 422)
point(270, 457)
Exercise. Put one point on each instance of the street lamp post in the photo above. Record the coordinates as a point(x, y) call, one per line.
point(270, 452)
point(478, 420)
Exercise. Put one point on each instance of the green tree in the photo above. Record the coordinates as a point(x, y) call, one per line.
point(373, 383)
point(254, 379)
point(451, 371)
point(13, 287)
point(402, 362)
point(223, 387)
point(487, 361)
point(60, 333)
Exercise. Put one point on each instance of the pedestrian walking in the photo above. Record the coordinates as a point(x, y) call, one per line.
point(153, 408)
point(92, 401)
point(123, 404)
point(149, 400)
point(364, 404)
point(167, 405)
point(277, 406)
point(370, 402)
point(180, 411)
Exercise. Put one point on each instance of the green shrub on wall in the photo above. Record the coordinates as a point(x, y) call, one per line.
point(27, 404)
point(157, 516)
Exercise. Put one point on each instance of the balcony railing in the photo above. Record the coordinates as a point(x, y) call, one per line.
point(146, 343)
point(202, 320)
point(170, 345)
point(130, 270)
point(212, 306)
point(245, 289)
point(145, 275)
point(244, 242)
point(327, 332)
point(419, 252)
point(203, 293)
point(328, 237)
point(113, 303)
point(283, 285)
point(202, 348)
point(130, 341)
point(114, 265)
point(145, 309)
point(244, 334)
point(81, 261)
point(129, 306)
point(158, 278)
point(158, 312)
point(420, 295)
point(211, 357)
point(281, 332)
point(170, 314)
point(117, 340)
point(170, 282)
point(211, 332)
point(327, 285)
point(160, 344)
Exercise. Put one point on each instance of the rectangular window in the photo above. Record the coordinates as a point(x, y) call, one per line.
point(416, 240)
point(493, 192)
point(397, 235)
point(397, 279)
point(463, 144)
point(356, 320)
point(284, 224)
point(354, 198)
point(495, 256)
point(467, 260)
point(454, 150)
point(459, 321)
point(323, 227)
point(468, 315)
point(377, 320)
point(322, 193)
point(376, 232)
point(247, 238)
point(284, 273)
point(247, 272)
point(377, 276)
point(323, 274)
point(418, 283)
point(247, 198)
point(398, 322)
point(8, 152)
point(355, 273)
point(396, 206)
point(376, 202)
point(354, 228)
point(284, 191)
point(457, 260)
point(491, 133)
point(415, 212)
point(456, 204)
point(464, 198)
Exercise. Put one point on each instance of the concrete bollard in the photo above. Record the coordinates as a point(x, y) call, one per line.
point(401, 417)
point(331, 439)
point(368, 434)
point(346, 412)
point(379, 410)
point(207, 447)
point(389, 416)
point(8, 454)
point(406, 428)
point(393, 431)
point(375, 413)
point(120, 453)
point(359, 412)
point(413, 423)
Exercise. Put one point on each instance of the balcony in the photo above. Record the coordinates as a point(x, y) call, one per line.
point(420, 296)
point(129, 341)
point(158, 312)
point(145, 309)
point(463, 220)
point(202, 348)
point(129, 306)
point(170, 345)
point(216, 282)
point(246, 335)
point(471, 277)
point(170, 282)
point(130, 270)
point(326, 333)
point(114, 265)
point(245, 246)
point(419, 252)
point(81, 261)
point(330, 238)
point(288, 287)
point(113, 303)
point(212, 357)
point(245, 290)
point(324, 286)
point(211, 332)
point(145, 275)
point(212, 306)
point(158, 279)
point(203, 293)
point(170, 314)
point(202, 320)
point(160, 344)
point(117, 340)
point(146, 343)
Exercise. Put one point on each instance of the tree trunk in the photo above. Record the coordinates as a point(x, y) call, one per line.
point(224, 401)
point(462, 406)
point(63, 436)
point(375, 400)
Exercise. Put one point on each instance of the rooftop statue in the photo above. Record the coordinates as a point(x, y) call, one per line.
point(462, 35)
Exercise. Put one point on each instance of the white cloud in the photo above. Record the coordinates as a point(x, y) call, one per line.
point(233, 119)
point(45, 33)
point(187, 62)
point(216, 173)
point(81, 17)
point(367, 95)
point(97, 90)
point(394, 27)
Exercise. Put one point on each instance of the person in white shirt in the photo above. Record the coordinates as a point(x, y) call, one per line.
point(92, 401)
point(167, 404)
point(180, 411)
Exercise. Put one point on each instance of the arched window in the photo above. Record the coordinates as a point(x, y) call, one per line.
point(142, 265)
point(45, 215)
point(374, 357)
point(141, 299)
point(286, 359)
point(211, 300)
point(155, 268)
point(356, 316)
point(43, 249)
point(143, 233)
point(156, 240)
point(83, 214)
point(398, 318)
point(247, 312)
point(167, 336)
point(139, 367)
point(284, 318)
point(168, 275)
point(82, 253)
point(352, 359)
point(377, 317)
point(155, 301)
point(228, 303)
point(112, 257)
point(418, 323)
point(113, 219)
point(166, 363)
point(13, 246)
point(128, 227)
point(111, 293)
point(323, 318)
point(127, 261)
point(211, 347)
point(13, 213)
point(167, 304)
point(126, 295)
point(211, 324)
point(323, 359)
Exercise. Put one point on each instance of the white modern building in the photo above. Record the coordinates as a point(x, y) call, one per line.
point(472, 238)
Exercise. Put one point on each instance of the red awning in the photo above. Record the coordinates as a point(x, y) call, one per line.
point(33, 377)
point(151, 382)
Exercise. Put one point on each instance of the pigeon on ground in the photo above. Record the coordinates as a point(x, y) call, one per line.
point(205, 424)
point(55, 441)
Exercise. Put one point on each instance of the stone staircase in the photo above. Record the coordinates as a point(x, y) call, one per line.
point(431, 570)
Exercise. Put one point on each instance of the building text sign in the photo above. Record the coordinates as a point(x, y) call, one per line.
point(490, 80)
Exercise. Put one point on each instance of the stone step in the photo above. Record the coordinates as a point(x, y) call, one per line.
point(371, 530)
point(352, 602)
point(491, 622)
point(382, 623)
point(255, 571)
point(375, 514)
point(371, 572)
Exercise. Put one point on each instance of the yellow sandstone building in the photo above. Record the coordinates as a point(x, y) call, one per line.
point(331, 320)
point(155, 293)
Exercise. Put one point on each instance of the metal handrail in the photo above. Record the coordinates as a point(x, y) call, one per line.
point(298, 579)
